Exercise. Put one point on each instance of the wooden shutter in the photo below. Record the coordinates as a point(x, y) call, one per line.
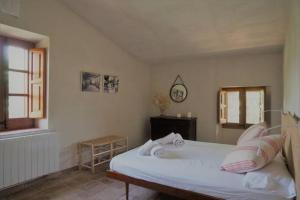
point(222, 107)
point(37, 81)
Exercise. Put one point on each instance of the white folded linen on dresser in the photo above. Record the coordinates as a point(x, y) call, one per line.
point(194, 167)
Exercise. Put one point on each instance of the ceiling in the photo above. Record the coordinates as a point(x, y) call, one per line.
point(157, 31)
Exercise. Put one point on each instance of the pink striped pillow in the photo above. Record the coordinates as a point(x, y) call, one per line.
point(254, 131)
point(253, 154)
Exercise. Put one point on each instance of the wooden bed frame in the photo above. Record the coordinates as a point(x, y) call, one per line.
point(291, 151)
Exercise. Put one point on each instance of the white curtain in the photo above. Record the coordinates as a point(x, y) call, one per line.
point(11, 7)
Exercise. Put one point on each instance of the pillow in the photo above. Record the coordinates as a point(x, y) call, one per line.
point(254, 131)
point(274, 178)
point(253, 154)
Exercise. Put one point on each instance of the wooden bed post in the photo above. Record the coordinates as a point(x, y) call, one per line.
point(127, 190)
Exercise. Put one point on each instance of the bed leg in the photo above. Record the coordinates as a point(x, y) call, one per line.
point(127, 191)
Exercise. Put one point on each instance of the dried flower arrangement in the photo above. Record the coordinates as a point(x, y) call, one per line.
point(162, 102)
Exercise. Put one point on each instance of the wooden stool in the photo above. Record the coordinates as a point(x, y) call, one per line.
point(102, 150)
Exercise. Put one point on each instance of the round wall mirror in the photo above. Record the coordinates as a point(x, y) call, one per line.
point(178, 93)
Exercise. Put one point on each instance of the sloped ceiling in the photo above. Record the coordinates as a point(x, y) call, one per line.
point(160, 30)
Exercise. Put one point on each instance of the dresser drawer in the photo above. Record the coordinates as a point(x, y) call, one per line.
point(162, 126)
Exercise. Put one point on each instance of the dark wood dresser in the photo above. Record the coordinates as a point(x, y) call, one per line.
point(163, 125)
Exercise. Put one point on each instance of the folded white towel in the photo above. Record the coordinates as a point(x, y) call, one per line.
point(167, 139)
point(172, 138)
point(157, 151)
point(178, 141)
point(145, 149)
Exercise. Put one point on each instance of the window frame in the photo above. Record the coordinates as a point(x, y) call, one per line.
point(243, 112)
point(8, 124)
point(15, 123)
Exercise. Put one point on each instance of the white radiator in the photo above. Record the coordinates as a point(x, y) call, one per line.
point(28, 157)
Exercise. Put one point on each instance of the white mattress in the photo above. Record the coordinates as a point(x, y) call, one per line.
point(193, 167)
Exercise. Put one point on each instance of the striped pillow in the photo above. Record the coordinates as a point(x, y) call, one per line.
point(254, 131)
point(253, 154)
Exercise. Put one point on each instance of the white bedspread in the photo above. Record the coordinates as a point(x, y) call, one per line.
point(194, 167)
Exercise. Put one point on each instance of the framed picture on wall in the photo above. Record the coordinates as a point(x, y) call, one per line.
point(110, 84)
point(90, 82)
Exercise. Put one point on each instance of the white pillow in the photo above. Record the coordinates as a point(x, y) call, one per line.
point(254, 131)
point(253, 154)
point(274, 177)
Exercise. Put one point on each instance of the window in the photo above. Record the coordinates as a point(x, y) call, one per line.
point(17, 82)
point(240, 107)
point(24, 75)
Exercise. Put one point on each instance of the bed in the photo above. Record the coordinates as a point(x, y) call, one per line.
point(192, 172)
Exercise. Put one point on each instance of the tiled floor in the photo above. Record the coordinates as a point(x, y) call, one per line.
point(75, 185)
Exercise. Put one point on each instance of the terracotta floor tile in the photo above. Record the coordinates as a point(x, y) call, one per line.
point(82, 185)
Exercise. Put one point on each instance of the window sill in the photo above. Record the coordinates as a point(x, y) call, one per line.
point(22, 133)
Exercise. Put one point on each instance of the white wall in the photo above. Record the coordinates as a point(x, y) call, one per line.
point(1, 88)
point(77, 46)
point(205, 76)
point(291, 68)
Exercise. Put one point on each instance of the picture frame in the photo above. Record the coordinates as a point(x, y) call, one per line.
point(110, 84)
point(178, 91)
point(90, 82)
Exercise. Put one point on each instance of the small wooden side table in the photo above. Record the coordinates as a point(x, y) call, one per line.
point(102, 150)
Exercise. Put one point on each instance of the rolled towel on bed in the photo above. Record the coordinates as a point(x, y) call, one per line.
point(157, 151)
point(178, 141)
point(145, 149)
point(167, 139)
